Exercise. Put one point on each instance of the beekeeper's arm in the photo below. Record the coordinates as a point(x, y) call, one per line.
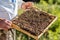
point(8, 10)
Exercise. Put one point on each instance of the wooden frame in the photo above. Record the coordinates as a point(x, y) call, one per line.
point(29, 34)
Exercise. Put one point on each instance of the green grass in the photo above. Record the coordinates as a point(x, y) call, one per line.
point(54, 31)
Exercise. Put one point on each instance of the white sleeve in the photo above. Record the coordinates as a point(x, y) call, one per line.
point(20, 3)
point(4, 14)
point(10, 7)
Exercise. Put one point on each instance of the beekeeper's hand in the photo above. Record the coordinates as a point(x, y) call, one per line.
point(5, 24)
point(27, 5)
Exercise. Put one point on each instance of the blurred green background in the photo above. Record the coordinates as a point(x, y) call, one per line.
point(50, 6)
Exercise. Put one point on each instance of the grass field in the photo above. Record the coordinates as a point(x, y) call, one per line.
point(50, 6)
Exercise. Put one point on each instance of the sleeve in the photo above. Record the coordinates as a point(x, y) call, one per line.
point(10, 6)
point(20, 3)
point(4, 14)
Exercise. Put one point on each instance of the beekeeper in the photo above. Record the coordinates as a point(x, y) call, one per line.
point(8, 10)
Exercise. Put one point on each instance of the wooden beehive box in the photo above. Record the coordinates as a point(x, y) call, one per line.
point(44, 19)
